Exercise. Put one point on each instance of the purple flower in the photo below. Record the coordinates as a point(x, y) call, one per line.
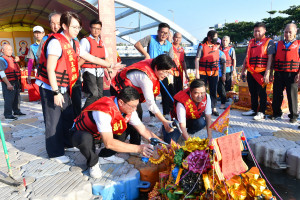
point(198, 161)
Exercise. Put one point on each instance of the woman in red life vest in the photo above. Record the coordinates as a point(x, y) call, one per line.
point(145, 76)
point(207, 63)
point(192, 109)
point(57, 74)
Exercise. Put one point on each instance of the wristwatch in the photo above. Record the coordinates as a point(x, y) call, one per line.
point(56, 92)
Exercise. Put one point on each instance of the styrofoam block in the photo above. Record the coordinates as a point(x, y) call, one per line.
point(293, 161)
point(272, 152)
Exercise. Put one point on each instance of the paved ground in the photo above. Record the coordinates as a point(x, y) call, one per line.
point(46, 179)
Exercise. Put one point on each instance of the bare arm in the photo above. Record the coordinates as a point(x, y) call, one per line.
point(185, 134)
point(197, 76)
point(141, 49)
point(208, 123)
point(267, 72)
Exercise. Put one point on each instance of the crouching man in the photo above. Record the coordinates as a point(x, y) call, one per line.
point(192, 109)
point(107, 119)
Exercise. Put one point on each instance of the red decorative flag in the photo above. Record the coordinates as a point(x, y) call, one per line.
point(222, 122)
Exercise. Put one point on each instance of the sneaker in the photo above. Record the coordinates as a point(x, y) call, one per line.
point(275, 117)
point(293, 121)
point(95, 171)
point(11, 117)
point(61, 159)
point(19, 113)
point(249, 113)
point(72, 149)
point(259, 116)
point(112, 159)
point(215, 113)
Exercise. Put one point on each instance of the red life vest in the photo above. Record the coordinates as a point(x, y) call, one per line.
point(120, 80)
point(287, 59)
point(179, 61)
point(228, 57)
point(98, 50)
point(13, 70)
point(209, 61)
point(192, 111)
point(257, 54)
point(66, 70)
point(86, 122)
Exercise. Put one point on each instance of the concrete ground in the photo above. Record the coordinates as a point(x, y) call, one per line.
point(46, 179)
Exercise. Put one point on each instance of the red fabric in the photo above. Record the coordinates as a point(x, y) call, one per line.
point(106, 105)
point(67, 65)
point(179, 61)
point(98, 50)
point(209, 61)
point(120, 80)
point(232, 162)
point(287, 60)
point(192, 111)
point(33, 92)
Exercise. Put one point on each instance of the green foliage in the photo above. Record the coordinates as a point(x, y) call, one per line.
point(240, 31)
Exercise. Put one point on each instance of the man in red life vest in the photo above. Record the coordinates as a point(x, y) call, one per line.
point(10, 77)
point(92, 74)
point(179, 58)
point(107, 119)
point(286, 66)
point(258, 63)
point(192, 109)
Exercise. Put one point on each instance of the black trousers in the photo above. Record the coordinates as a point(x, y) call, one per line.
point(93, 87)
point(285, 80)
point(76, 98)
point(11, 98)
point(167, 103)
point(228, 82)
point(213, 83)
point(224, 87)
point(178, 85)
point(58, 122)
point(256, 91)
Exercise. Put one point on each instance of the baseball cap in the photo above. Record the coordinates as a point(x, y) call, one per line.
point(38, 28)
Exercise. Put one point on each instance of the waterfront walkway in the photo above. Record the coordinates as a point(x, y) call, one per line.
point(46, 179)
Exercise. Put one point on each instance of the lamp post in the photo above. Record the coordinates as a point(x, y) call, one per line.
point(172, 11)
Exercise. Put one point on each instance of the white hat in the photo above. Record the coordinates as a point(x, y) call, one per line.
point(38, 28)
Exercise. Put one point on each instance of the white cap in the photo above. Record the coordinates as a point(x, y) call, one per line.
point(38, 28)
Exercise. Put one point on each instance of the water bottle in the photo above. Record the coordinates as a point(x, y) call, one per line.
point(145, 159)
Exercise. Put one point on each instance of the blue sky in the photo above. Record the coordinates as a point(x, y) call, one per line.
point(196, 16)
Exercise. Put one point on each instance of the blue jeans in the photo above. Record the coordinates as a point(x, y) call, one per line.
point(192, 125)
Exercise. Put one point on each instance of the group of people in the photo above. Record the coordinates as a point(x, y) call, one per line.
point(60, 58)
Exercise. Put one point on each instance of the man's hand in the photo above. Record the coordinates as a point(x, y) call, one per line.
point(17, 59)
point(223, 78)
point(167, 127)
point(10, 87)
point(29, 80)
point(59, 100)
point(266, 77)
point(297, 78)
point(117, 66)
point(271, 77)
point(146, 150)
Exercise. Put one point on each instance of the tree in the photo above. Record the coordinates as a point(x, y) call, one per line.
point(237, 32)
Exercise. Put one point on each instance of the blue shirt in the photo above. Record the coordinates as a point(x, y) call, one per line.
point(3, 64)
point(156, 49)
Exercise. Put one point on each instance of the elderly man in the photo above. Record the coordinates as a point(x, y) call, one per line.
point(10, 77)
point(286, 67)
point(258, 63)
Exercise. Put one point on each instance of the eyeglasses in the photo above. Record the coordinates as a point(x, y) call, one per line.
point(164, 33)
point(132, 107)
point(97, 29)
point(76, 27)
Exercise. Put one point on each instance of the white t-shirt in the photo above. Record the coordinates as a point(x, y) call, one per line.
point(181, 112)
point(103, 120)
point(85, 44)
point(54, 48)
point(141, 80)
